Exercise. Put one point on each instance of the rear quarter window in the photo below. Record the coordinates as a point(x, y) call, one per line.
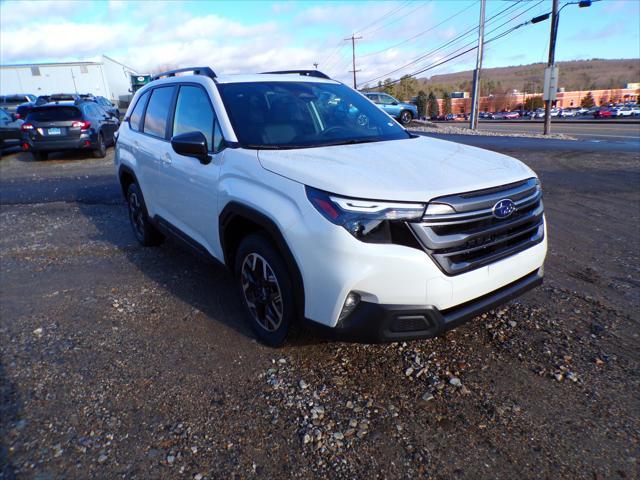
point(54, 114)
point(155, 118)
point(135, 120)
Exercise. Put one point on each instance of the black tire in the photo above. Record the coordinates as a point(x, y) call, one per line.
point(268, 304)
point(101, 151)
point(38, 156)
point(405, 117)
point(143, 229)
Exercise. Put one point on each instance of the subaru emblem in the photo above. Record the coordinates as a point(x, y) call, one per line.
point(504, 208)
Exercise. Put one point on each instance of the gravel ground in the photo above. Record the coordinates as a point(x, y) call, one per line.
point(120, 361)
point(430, 127)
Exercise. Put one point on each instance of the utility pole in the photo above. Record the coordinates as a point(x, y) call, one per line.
point(353, 39)
point(476, 74)
point(552, 61)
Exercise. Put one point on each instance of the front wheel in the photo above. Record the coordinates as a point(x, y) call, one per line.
point(265, 289)
point(406, 117)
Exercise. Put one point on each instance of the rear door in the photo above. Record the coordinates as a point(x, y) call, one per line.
point(388, 106)
point(154, 152)
point(193, 184)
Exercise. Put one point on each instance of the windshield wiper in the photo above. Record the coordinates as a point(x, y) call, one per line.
point(354, 141)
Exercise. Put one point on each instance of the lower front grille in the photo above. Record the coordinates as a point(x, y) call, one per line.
point(472, 236)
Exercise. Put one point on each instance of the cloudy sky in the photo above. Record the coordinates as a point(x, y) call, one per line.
point(241, 36)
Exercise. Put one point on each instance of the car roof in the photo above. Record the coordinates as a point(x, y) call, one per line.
point(59, 104)
point(244, 78)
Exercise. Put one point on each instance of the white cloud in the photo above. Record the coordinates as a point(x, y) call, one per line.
point(169, 35)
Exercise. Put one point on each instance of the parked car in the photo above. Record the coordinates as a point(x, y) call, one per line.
point(567, 112)
point(9, 128)
point(582, 111)
point(621, 112)
point(11, 102)
point(68, 125)
point(511, 115)
point(603, 113)
point(23, 109)
point(635, 110)
point(325, 210)
point(108, 106)
point(403, 112)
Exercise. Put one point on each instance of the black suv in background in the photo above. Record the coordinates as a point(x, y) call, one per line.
point(108, 106)
point(72, 125)
point(11, 102)
point(9, 128)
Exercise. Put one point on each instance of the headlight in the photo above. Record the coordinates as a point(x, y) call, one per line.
point(367, 220)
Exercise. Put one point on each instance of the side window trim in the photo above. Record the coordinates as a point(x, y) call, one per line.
point(172, 112)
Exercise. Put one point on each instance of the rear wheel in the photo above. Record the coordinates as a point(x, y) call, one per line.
point(38, 156)
point(101, 151)
point(265, 289)
point(406, 117)
point(144, 231)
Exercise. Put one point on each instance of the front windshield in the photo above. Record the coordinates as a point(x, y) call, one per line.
point(304, 114)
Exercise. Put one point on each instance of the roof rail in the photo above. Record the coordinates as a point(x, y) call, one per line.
point(196, 71)
point(304, 73)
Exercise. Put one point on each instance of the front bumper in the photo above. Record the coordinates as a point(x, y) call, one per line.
point(372, 322)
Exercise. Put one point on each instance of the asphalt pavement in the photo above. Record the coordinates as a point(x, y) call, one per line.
point(611, 131)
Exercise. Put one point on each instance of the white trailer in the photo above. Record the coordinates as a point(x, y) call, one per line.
point(108, 78)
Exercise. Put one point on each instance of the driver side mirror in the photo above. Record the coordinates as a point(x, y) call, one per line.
point(192, 144)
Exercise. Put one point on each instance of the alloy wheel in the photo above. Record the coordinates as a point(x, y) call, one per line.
point(136, 215)
point(262, 292)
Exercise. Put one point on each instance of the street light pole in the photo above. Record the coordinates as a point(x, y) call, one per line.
point(475, 101)
point(552, 59)
point(555, 19)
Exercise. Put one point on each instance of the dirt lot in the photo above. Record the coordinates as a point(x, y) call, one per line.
point(120, 361)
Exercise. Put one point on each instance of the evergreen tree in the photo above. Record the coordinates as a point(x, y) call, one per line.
point(421, 103)
point(432, 106)
point(446, 103)
point(587, 101)
point(533, 103)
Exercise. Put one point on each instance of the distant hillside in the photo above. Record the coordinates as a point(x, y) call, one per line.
point(575, 75)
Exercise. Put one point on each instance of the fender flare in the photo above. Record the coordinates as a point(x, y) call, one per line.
point(129, 171)
point(234, 210)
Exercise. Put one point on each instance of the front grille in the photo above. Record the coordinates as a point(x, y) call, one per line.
point(473, 237)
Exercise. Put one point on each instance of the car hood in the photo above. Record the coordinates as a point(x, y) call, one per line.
point(416, 169)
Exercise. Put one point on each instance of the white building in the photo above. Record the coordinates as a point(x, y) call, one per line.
point(107, 78)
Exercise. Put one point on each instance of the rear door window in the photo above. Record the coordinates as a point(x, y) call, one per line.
point(155, 119)
point(54, 114)
point(135, 121)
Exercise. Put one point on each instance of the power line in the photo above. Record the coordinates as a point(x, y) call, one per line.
point(419, 34)
point(446, 44)
point(393, 11)
point(447, 60)
point(397, 19)
point(457, 39)
point(340, 45)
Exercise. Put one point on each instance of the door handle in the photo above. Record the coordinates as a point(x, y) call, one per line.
point(166, 158)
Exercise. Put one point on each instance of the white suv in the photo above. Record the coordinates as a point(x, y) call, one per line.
point(326, 209)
